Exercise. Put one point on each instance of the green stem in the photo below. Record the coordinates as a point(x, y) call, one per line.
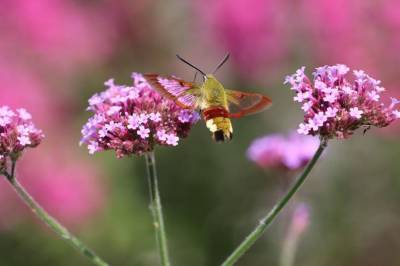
point(289, 249)
point(50, 221)
point(269, 218)
point(156, 209)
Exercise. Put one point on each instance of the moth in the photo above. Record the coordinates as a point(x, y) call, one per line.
point(216, 104)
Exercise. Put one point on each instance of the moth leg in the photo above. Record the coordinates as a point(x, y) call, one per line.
point(195, 76)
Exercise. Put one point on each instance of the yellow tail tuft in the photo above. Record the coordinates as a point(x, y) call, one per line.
point(221, 128)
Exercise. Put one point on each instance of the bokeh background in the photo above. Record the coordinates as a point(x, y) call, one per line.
point(54, 54)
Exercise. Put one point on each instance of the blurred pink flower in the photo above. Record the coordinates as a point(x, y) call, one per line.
point(358, 32)
point(71, 191)
point(23, 88)
point(254, 31)
point(283, 152)
point(300, 219)
point(389, 24)
point(338, 30)
point(59, 32)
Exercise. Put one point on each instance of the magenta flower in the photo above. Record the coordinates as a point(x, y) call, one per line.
point(335, 106)
point(17, 132)
point(133, 119)
point(283, 152)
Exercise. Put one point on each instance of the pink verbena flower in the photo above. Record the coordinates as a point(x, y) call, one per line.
point(284, 152)
point(335, 106)
point(300, 219)
point(133, 119)
point(17, 132)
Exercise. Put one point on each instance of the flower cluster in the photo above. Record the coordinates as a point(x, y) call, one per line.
point(133, 119)
point(17, 132)
point(335, 106)
point(282, 152)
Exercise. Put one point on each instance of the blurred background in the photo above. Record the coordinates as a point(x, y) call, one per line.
point(54, 54)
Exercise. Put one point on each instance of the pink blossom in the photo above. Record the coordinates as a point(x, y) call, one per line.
point(303, 129)
point(319, 119)
point(306, 106)
point(290, 152)
point(16, 133)
point(23, 114)
point(252, 30)
point(331, 112)
point(143, 132)
point(300, 219)
point(172, 140)
point(322, 21)
point(340, 106)
point(59, 33)
point(313, 124)
point(21, 87)
point(161, 135)
point(396, 113)
point(373, 95)
point(72, 191)
point(133, 121)
point(355, 112)
point(93, 147)
point(136, 122)
point(155, 117)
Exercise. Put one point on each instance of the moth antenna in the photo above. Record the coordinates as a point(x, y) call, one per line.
point(186, 62)
point(222, 62)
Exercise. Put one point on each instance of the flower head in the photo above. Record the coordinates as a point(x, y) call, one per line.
point(17, 132)
point(336, 106)
point(278, 151)
point(133, 119)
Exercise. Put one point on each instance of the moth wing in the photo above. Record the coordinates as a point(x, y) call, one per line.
point(185, 94)
point(246, 103)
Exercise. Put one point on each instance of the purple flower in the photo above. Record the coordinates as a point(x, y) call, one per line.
point(17, 132)
point(283, 152)
point(337, 106)
point(133, 119)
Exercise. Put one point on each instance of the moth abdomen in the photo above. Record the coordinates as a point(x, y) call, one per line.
point(218, 122)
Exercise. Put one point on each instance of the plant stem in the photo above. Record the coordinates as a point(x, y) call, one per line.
point(50, 221)
point(289, 249)
point(269, 218)
point(156, 209)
